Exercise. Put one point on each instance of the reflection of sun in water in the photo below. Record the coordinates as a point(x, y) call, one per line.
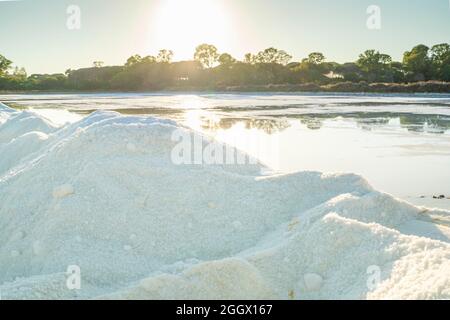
point(181, 25)
point(202, 120)
point(193, 119)
point(253, 141)
point(192, 102)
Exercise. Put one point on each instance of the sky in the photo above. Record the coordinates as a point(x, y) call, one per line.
point(44, 36)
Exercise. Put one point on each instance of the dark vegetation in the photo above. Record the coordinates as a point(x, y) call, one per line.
point(423, 69)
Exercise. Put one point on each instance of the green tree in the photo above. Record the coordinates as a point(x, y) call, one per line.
point(225, 59)
point(273, 55)
point(20, 73)
point(373, 61)
point(397, 71)
point(440, 59)
point(5, 64)
point(148, 59)
point(311, 69)
point(350, 71)
point(164, 56)
point(375, 65)
point(133, 60)
point(249, 58)
point(417, 63)
point(316, 58)
point(207, 55)
point(45, 82)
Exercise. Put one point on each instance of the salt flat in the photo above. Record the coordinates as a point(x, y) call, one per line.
point(139, 226)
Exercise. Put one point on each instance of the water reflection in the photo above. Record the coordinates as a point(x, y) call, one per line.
point(268, 126)
point(211, 119)
point(434, 124)
point(273, 122)
point(399, 143)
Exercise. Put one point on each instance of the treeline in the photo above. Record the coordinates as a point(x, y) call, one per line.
point(212, 70)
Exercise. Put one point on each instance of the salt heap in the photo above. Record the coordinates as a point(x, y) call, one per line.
point(103, 194)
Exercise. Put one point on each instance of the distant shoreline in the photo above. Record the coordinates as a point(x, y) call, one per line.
point(431, 87)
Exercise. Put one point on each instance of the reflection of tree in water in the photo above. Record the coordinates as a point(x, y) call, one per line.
point(269, 126)
point(415, 124)
point(223, 123)
point(157, 112)
point(421, 123)
point(368, 120)
point(411, 122)
point(365, 120)
point(368, 124)
point(312, 123)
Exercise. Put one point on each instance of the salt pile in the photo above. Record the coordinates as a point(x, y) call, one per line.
point(102, 194)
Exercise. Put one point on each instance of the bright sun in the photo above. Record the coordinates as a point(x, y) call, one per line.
point(181, 25)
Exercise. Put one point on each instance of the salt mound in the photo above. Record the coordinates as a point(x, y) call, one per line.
point(104, 195)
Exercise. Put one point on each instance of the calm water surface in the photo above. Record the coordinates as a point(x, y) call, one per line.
point(399, 143)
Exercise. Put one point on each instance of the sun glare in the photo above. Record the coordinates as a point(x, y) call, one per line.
point(181, 25)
